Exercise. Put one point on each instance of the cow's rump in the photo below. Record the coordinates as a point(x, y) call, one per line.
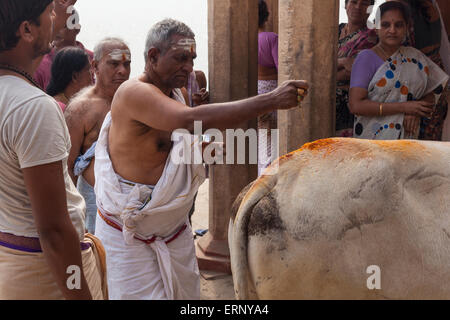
point(337, 207)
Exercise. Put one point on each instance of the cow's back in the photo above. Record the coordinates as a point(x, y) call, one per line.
point(339, 206)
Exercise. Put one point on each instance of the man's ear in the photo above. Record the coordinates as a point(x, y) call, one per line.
point(153, 55)
point(26, 31)
point(94, 66)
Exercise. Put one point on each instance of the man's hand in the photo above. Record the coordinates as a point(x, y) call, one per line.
point(201, 97)
point(287, 95)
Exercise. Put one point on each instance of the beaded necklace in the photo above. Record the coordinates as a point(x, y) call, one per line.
point(19, 71)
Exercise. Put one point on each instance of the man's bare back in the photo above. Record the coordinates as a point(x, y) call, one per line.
point(84, 118)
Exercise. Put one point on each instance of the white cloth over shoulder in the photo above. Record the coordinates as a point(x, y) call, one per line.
point(171, 198)
point(162, 216)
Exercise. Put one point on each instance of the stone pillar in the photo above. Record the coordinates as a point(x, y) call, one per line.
point(233, 75)
point(308, 34)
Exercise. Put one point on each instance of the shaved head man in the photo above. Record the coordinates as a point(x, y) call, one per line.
point(86, 112)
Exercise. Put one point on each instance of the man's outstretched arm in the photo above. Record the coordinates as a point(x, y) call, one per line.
point(147, 104)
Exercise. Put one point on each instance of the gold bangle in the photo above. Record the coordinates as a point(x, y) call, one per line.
point(381, 109)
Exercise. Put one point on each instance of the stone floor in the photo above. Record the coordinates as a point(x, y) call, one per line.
point(214, 286)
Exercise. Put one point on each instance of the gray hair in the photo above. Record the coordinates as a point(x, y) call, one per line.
point(100, 47)
point(160, 34)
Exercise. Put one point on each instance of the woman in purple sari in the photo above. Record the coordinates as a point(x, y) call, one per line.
point(392, 85)
point(354, 36)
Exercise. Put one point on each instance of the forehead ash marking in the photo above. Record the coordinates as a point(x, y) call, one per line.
point(120, 55)
point(187, 44)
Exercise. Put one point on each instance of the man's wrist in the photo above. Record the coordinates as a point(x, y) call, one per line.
point(268, 103)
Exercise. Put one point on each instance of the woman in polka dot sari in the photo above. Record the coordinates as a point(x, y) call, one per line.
point(393, 86)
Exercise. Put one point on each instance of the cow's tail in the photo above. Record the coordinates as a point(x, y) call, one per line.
point(238, 238)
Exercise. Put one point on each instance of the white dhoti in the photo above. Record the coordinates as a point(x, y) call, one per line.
point(134, 271)
point(153, 255)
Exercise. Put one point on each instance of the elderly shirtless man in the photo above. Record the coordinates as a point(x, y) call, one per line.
point(143, 196)
point(85, 115)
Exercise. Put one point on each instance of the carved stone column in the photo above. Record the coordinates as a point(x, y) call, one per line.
point(308, 34)
point(233, 75)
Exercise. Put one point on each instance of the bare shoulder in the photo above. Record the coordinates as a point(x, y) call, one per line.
point(136, 89)
point(79, 104)
point(134, 94)
point(81, 110)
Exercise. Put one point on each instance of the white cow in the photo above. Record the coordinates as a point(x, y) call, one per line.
point(347, 219)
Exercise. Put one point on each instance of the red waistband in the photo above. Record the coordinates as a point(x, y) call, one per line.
point(147, 241)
